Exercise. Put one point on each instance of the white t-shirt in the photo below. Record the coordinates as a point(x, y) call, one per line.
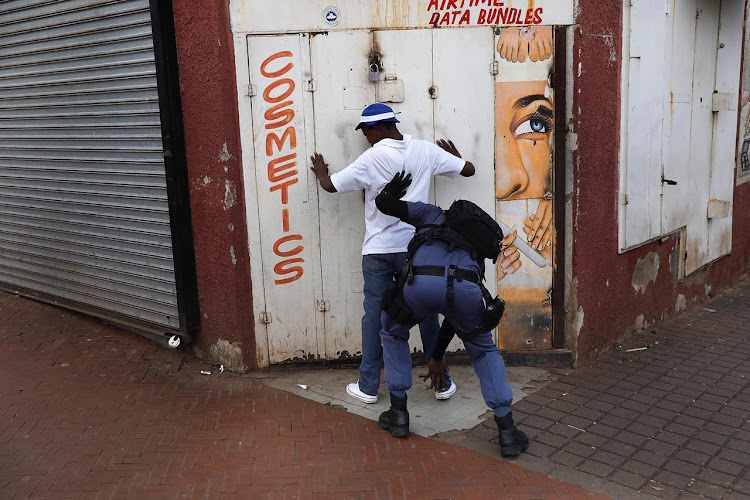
point(376, 167)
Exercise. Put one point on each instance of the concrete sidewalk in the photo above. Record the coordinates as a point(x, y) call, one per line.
point(427, 416)
point(91, 411)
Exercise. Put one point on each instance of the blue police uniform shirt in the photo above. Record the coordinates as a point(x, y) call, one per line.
point(437, 254)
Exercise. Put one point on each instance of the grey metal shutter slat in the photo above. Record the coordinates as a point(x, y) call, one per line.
point(60, 38)
point(114, 84)
point(83, 201)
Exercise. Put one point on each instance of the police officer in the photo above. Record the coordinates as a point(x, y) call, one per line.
point(435, 265)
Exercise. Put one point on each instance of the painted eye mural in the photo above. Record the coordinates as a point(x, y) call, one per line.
point(524, 121)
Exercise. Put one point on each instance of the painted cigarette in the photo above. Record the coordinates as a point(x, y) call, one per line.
point(523, 247)
point(204, 372)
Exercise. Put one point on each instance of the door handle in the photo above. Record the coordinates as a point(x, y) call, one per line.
point(669, 182)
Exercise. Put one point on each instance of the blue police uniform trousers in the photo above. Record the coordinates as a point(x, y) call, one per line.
point(427, 295)
point(378, 272)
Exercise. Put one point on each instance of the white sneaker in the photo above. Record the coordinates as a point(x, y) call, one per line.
point(447, 393)
point(353, 390)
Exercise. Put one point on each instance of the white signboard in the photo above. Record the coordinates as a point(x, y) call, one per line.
point(259, 16)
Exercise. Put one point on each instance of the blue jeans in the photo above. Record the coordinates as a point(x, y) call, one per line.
point(427, 295)
point(378, 270)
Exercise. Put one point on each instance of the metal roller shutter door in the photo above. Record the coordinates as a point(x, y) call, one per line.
point(84, 215)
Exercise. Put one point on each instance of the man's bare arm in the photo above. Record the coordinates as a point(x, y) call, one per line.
point(468, 170)
point(448, 146)
point(320, 169)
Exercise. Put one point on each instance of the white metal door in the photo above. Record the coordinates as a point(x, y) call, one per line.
point(287, 206)
point(645, 119)
point(678, 121)
point(340, 65)
point(701, 130)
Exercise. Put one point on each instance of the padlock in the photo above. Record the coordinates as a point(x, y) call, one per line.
point(374, 73)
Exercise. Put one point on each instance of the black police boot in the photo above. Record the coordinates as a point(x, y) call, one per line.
point(396, 420)
point(512, 441)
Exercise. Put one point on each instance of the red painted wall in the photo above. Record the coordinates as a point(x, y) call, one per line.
point(609, 311)
point(209, 101)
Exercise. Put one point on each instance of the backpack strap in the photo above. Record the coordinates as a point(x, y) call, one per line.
point(449, 291)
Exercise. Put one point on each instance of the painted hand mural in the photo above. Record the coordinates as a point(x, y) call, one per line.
point(510, 258)
point(538, 229)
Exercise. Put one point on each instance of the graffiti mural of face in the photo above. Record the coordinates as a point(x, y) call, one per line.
point(523, 116)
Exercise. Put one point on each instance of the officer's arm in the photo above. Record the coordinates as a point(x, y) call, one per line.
point(447, 331)
point(390, 205)
point(389, 201)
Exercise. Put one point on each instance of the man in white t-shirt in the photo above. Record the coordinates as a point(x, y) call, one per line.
point(386, 237)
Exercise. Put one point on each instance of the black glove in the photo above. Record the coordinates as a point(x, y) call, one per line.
point(397, 186)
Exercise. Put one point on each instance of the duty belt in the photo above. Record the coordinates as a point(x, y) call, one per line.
point(458, 273)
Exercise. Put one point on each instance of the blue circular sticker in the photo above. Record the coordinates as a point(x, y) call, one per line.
point(331, 16)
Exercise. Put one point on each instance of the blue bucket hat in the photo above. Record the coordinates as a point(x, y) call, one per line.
point(375, 113)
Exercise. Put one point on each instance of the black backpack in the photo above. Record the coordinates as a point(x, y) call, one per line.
point(476, 230)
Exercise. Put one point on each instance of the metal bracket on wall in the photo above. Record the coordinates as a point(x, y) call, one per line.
point(265, 318)
point(322, 305)
point(723, 102)
point(250, 90)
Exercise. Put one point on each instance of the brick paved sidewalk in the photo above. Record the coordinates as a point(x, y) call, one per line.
point(90, 411)
point(672, 421)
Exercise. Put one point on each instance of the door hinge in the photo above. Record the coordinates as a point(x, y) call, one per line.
point(624, 199)
point(433, 91)
point(494, 68)
point(322, 305)
point(266, 318)
point(250, 90)
point(311, 85)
